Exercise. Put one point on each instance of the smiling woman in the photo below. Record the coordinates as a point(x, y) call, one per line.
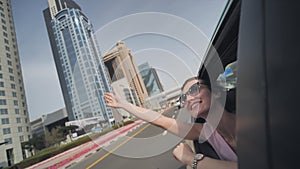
point(202, 99)
point(197, 101)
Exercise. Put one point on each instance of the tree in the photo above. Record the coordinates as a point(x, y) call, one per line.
point(68, 130)
point(35, 143)
point(55, 136)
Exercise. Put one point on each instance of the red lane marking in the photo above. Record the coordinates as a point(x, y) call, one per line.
point(68, 160)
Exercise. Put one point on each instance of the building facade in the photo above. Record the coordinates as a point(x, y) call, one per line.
point(79, 65)
point(122, 88)
point(119, 64)
point(49, 121)
point(14, 118)
point(163, 99)
point(151, 80)
point(37, 126)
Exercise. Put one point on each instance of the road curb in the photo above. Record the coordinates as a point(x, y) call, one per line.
point(93, 145)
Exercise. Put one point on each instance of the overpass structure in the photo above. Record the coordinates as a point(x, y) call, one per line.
point(163, 99)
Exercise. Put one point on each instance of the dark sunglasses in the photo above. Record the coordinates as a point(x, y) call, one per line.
point(193, 90)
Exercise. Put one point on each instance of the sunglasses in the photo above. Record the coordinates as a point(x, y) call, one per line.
point(193, 91)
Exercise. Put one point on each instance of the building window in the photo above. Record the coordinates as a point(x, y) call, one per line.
point(1, 76)
point(5, 121)
point(8, 140)
point(27, 129)
point(4, 28)
point(14, 94)
point(21, 138)
point(8, 55)
point(17, 111)
point(7, 48)
point(2, 102)
point(12, 86)
point(6, 41)
point(6, 131)
point(1, 84)
point(9, 63)
point(18, 120)
point(3, 111)
point(2, 93)
point(20, 129)
point(16, 102)
point(11, 78)
point(10, 70)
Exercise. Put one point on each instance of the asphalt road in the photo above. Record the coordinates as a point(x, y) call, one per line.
point(147, 147)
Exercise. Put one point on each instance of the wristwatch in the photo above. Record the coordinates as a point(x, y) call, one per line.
point(197, 157)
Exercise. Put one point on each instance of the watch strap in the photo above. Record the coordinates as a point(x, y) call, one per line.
point(197, 157)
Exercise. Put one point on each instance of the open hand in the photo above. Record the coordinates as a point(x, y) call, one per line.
point(114, 100)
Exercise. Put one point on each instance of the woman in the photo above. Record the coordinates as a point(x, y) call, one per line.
point(196, 98)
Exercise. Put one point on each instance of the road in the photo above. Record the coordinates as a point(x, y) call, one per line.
point(147, 147)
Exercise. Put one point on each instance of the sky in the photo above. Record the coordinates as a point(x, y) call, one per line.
point(171, 35)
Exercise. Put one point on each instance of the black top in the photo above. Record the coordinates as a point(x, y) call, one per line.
point(204, 148)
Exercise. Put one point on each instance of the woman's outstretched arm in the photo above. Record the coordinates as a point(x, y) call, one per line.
point(182, 129)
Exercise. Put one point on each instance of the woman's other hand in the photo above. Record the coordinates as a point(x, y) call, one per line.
point(184, 153)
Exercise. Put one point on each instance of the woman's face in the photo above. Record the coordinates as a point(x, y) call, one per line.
point(197, 101)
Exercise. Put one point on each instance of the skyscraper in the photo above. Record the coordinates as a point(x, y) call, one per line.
point(79, 65)
point(14, 118)
point(151, 80)
point(120, 64)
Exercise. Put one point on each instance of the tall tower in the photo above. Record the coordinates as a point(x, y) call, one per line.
point(14, 118)
point(120, 63)
point(78, 61)
point(151, 80)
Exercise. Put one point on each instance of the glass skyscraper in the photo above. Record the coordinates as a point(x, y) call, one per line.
point(78, 61)
point(14, 117)
point(151, 80)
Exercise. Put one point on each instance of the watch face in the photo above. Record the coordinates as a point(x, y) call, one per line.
point(199, 156)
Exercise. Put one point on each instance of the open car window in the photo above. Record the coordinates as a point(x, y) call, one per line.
point(223, 45)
